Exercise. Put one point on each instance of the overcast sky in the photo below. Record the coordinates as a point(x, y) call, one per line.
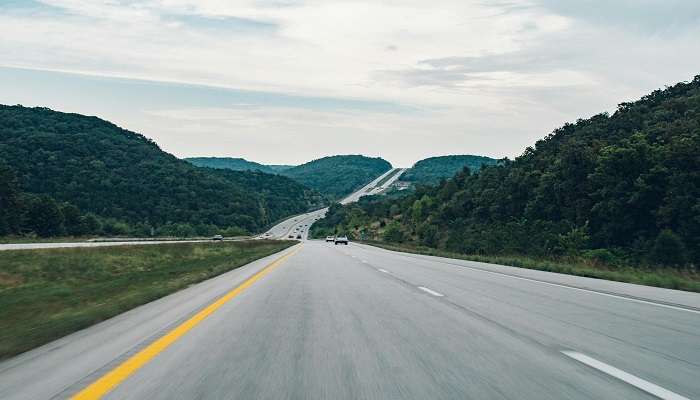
point(286, 81)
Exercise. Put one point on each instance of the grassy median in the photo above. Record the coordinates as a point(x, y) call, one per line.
point(46, 294)
point(665, 278)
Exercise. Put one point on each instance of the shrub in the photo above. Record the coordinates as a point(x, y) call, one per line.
point(393, 233)
point(600, 256)
point(668, 249)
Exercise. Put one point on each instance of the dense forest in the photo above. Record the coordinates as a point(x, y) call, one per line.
point(616, 188)
point(337, 176)
point(72, 174)
point(432, 170)
point(235, 164)
point(333, 176)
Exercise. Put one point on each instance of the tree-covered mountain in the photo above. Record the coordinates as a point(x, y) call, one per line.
point(277, 168)
point(337, 176)
point(624, 186)
point(432, 170)
point(235, 164)
point(57, 163)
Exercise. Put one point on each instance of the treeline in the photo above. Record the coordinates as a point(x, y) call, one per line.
point(615, 189)
point(333, 176)
point(432, 170)
point(337, 176)
point(236, 164)
point(126, 183)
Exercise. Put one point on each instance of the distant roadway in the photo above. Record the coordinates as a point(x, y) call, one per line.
point(300, 224)
point(279, 231)
point(320, 321)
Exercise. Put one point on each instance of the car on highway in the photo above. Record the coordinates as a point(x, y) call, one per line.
point(330, 239)
point(298, 236)
point(291, 236)
point(341, 240)
point(217, 237)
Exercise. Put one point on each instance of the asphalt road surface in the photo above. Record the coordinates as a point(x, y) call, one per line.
point(325, 321)
point(347, 322)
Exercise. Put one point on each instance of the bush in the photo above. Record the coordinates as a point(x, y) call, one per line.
point(600, 256)
point(393, 233)
point(668, 249)
point(574, 241)
point(43, 216)
point(428, 235)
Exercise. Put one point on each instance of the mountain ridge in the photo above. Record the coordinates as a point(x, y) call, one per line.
point(122, 176)
point(620, 188)
point(236, 164)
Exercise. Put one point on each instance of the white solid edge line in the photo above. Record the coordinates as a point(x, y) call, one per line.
point(639, 383)
point(580, 289)
point(590, 291)
point(434, 293)
point(384, 271)
point(576, 288)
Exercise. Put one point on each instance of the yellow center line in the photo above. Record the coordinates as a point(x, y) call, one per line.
point(113, 378)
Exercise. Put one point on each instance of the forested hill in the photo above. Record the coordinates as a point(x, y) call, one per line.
point(432, 170)
point(236, 164)
point(123, 182)
point(622, 186)
point(337, 176)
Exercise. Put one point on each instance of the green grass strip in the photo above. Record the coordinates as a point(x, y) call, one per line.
point(47, 294)
point(669, 278)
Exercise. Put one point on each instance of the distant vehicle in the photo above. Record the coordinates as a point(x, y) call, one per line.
point(341, 240)
point(217, 237)
point(291, 236)
point(298, 236)
point(330, 239)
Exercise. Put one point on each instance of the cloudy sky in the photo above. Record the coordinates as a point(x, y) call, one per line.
point(286, 81)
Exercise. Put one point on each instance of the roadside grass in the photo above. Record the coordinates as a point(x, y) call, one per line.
point(664, 278)
point(49, 293)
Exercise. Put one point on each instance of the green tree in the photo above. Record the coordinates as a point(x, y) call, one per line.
point(122, 176)
point(43, 216)
point(668, 249)
point(90, 224)
point(609, 183)
point(393, 233)
point(71, 219)
point(9, 201)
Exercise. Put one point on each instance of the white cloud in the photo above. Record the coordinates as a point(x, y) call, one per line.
point(513, 69)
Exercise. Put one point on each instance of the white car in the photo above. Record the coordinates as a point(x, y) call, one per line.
point(341, 240)
point(330, 239)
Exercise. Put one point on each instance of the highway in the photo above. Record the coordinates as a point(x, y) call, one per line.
point(299, 225)
point(320, 321)
point(359, 322)
point(280, 231)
